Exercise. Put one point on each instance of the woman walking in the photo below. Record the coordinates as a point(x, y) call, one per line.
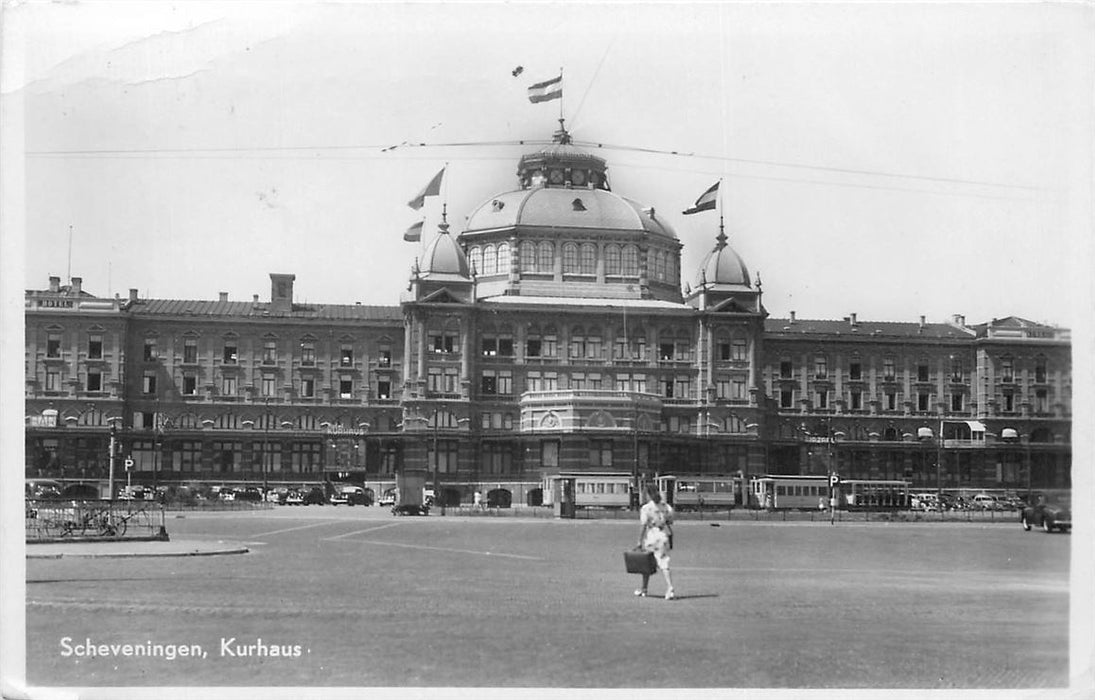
point(656, 519)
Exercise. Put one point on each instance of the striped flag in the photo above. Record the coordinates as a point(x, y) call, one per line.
point(430, 190)
point(547, 90)
point(414, 233)
point(706, 200)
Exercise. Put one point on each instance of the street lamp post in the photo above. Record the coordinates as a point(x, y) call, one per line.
point(265, 442)
point(939, 469)
point(113, 454)
point(635, 494)
point(438, 496)
point(831, 472)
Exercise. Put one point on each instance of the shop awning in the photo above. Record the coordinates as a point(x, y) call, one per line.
point(976, 426)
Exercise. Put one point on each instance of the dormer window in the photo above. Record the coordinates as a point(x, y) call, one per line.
point(578, 205)
point(498, 205)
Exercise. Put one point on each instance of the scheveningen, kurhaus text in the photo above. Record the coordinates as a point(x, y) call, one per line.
point(230, 647)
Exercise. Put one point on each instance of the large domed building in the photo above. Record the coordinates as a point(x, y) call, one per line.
point(565, 328)
point(551, 345)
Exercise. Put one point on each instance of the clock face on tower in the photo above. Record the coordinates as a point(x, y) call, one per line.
point(555, 177)
point(578, 177)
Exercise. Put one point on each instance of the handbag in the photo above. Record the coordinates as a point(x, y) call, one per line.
point(639, 561)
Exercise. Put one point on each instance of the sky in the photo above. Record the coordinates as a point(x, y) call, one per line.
point(891, 160)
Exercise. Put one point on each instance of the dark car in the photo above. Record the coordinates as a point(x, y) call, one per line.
point(251, 493)
point(1046, 515)
point(408, 509)
point(315, 496)
point(80, 492)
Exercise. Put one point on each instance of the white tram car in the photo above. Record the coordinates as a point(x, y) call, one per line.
point(695, 492)
point(589, 489)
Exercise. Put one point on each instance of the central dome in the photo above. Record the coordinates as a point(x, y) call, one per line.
point(564, 233)
point(550, 207)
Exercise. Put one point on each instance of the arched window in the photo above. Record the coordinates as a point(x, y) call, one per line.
point(570, 258)
point(528, 256)
point(589, 259)
point(659, 265)
point(631, 261)
point(545, 257)
point(488, 260)
point(612, 260)
point(475, 257)
point(503, 258)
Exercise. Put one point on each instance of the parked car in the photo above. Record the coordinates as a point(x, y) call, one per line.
point(315, 497)
point(293, 497)
point(986, 501)
point(250, 493)
point(407, 509)
point(80, 492)
point(1047, 515)
point(925, 501)
point(43, 489)
point(351, 495)
point(388, 499)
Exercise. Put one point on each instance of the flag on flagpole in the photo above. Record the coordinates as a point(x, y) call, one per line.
point(430, 190)
point(706, 200)
point(547, 90)
point(414, 233)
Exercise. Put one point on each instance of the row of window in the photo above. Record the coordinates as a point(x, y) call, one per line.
point(955, 373)
point(229, 351)
point(590, 347)
point(501, 383)
point(891, 400)
point(577, 259)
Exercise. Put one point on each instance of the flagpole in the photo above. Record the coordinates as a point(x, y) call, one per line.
point(561, 93)
point(721, 229)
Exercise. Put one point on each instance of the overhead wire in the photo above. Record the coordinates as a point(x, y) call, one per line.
point(384, 152)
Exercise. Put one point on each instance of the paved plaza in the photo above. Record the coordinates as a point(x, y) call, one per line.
point(357, 597)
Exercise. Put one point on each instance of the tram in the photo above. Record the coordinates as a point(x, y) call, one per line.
point(812, 492)
point(877, 494)
point(589, 489)
point(789, 491)
point(696, 492)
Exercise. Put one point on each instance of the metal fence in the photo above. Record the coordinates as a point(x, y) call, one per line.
point(93, 520)
point(750, 514)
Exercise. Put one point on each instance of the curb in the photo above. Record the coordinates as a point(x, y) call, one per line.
point(135, 555)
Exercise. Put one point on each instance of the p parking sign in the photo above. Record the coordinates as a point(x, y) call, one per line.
point(129, 463)
point(834, 479)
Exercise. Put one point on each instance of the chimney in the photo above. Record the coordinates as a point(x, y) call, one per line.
point(851, 319)
point(224, 296)
point(281, 292)
point(255, 298)
point(77, 283)
point(959, 320)
point(133, 294)
point(792, 317)
point(54, 284)
point(922, 318)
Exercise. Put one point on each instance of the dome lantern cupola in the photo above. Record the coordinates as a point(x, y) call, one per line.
point(562, 165)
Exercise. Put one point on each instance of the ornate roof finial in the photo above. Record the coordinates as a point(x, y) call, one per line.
point(444, 225)
point(562, 135)
point(758, 281)
point(721, 238)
